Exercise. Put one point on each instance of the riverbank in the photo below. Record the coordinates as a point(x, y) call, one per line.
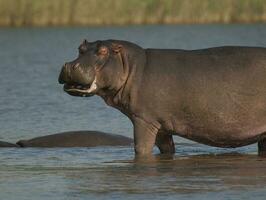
point(120, 12)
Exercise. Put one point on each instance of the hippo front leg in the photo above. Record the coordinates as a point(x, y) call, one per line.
point(144, 137)
point(165, 143)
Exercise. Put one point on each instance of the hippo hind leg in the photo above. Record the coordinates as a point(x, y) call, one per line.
point(262, 147)
point(165, 143)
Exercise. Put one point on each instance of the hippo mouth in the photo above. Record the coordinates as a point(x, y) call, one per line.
point(78, 90)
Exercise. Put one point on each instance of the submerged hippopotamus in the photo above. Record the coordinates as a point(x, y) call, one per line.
point(77, 139)
point(214, 96)
point(73, 139)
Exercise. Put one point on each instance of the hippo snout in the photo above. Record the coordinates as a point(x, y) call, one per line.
point(64, 74)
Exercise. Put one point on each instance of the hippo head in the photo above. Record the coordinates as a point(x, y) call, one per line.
point(101, 66)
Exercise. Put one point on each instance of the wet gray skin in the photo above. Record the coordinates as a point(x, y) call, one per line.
point(73, 139)
point(77, 139)
point(214, 96)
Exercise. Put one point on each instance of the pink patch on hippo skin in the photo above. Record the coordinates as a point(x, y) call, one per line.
point(103, 51)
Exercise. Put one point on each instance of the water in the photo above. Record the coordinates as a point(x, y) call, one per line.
point(32, 104)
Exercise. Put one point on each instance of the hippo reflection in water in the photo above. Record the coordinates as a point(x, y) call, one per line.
point(214, 96)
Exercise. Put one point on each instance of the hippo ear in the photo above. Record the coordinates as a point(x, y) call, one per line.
point(84, 42)
point(83, 47)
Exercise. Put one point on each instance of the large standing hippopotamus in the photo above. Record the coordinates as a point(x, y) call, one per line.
point(214, 96)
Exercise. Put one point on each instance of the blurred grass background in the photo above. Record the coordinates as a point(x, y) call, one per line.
point(123, 12)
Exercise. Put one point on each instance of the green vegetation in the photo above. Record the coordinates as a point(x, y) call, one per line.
point(120, 12)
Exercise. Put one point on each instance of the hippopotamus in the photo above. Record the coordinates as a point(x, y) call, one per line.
point(215, 96)
point(77, 139)
point(7, 144)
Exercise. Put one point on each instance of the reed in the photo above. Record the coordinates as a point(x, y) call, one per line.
point(123, 12)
